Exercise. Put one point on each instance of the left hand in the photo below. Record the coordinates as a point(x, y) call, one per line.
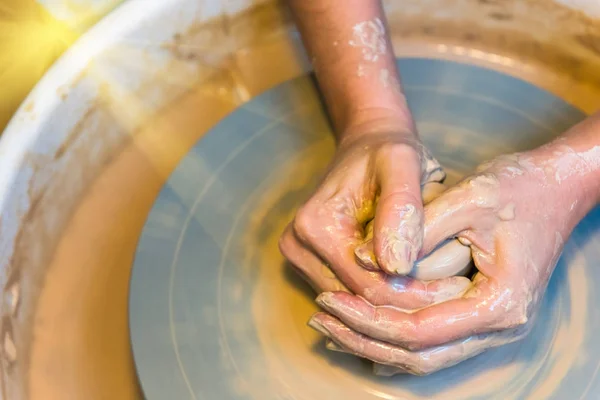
point(515, 212)
point(377, 172)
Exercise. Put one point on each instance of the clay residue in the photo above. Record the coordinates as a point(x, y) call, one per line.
point(76, 132)
point(527, 31)
point(507, 213)
point(400, 244)
point(369, 37)
point(296, 360)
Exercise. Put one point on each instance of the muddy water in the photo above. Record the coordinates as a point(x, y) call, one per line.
point(81, 328)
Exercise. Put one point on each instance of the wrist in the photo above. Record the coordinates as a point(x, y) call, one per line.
point(577, 154)
point(361, 99)
point(374, 121)
point(583, 183)
point(571, 174)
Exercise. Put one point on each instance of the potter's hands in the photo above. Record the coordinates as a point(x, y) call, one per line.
point(515, 212)
point(377, 173)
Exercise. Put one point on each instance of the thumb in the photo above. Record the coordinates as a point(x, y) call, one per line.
point(447, 216)
point(398, 229)
point(364, 253)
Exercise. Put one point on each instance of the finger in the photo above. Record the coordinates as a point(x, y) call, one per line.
point(467, 206)
point(309, 266)
point(416, 294)
point(336, 247)
point(450, 259)
point(419, 362)
point(365, 253)
point(431, 191)
point(445, 217)
point(378, 369)
point(365, 256)
point(432, 171)
point(398, 233)
point(332, 235)
point(430, 326)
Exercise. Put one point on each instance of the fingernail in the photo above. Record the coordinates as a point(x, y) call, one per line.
point(365, 256)
point(403, 255)
point(325, 299)
point(317, 326)
point(331, 345)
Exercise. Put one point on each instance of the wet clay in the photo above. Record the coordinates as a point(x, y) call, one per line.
point(451, 258)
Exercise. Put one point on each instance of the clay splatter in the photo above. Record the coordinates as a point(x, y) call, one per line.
point(370, 37)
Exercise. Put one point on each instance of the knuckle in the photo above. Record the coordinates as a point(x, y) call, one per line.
point(518, 320)
point(515, 317)
point(413, 335)
point(293, 253)
point(286, 244)
point(377, 318)
point(420, 340)
point(374, 294)
point(482, 181)
point(304, 223)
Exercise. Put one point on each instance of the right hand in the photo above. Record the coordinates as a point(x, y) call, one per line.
point(515, 243)
point(376, 174)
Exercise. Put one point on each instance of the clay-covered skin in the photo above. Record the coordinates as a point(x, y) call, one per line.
point(378, 170)
point(450, 258)
point(515, 245)
point(378, 312)
point(367, 180)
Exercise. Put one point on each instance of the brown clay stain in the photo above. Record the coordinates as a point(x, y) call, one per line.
point(492, 2)
point(590, 42)
point(501, 16)
point(76, 132)
point(524, 30)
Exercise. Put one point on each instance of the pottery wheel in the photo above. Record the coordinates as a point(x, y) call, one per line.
point(215, 313)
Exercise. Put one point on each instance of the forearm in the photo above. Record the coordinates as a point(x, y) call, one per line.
point(354, 63)
point(573, 161)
